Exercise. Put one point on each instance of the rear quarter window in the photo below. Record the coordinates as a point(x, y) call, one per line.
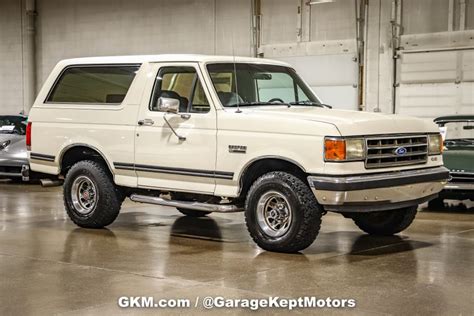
point(93, 84)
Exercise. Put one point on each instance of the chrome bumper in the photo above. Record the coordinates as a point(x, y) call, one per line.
point(14, 168)
point(461, 186)
point(377, 192)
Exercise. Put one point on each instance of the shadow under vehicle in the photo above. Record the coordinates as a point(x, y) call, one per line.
point(458, 156)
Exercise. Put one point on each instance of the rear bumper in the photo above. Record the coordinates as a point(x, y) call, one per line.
point(378, 192)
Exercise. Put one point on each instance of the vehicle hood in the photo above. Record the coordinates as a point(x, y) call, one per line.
point(17, 145)
point(459, 159)
point(351, 122)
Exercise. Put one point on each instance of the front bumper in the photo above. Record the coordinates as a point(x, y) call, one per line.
point(378, 192)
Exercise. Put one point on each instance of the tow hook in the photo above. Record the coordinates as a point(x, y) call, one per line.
point(25, 173)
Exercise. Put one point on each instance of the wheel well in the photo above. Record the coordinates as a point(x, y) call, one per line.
point(260, 167)
point(79, 153)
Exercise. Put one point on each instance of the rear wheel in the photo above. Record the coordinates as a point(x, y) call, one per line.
point(90, 196)
point(385, 222)
point(192, 213)
point(282, 213)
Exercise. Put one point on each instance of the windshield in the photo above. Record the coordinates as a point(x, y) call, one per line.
point(13, 125)
point(457, 130)
point(259, 84)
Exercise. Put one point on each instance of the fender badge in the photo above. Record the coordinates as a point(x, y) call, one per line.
point(237, 149)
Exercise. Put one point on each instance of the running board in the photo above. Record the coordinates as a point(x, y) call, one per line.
point(197, 206)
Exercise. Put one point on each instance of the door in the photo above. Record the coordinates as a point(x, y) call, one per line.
point(162, 159)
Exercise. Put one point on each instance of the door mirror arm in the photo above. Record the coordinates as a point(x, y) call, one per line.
point(181, 138)
point(171, 105)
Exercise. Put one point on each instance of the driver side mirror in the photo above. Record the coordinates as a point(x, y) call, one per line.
point(168, 105)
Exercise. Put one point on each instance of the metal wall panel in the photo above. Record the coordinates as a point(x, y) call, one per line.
point(424, 16)
point(332, 77)
point(68, 28)
point(469, 14)
point(436, 83)
point(428, 67)
point(233, 33)
point(11, 76)
point(333, 20)
point(279, 21)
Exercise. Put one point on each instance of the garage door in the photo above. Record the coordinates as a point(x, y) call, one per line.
point(333, 77)
point(435, 83)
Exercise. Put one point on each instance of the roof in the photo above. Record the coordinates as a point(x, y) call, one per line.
point(133, 59)
point(454, 118)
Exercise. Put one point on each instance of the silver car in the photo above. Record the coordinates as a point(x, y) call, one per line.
point(13, 154)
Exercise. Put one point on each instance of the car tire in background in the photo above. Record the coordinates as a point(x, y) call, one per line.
point(385, 223)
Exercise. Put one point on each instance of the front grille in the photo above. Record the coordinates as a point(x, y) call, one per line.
point(381, 151)
point(467, 177)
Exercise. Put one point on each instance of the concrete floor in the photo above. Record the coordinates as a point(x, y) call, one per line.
point(49, 266)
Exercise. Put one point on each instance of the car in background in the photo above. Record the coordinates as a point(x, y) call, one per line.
point(458, 135)
point(13, 152)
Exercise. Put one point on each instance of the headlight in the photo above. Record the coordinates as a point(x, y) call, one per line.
point(435, 144)
point(4, 144)
point(340, 149)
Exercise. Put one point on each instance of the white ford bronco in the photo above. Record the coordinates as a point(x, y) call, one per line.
point(226, 134)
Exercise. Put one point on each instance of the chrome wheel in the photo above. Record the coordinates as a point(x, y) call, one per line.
point(84, 195)
point(274, 214)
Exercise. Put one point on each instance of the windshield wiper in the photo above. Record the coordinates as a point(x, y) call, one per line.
point(257, 104)
point(311, 103)
point(460, 140)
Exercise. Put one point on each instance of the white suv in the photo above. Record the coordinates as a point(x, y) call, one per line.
point(224, 134)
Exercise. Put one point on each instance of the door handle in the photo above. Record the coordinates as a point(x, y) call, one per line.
point(146, 122)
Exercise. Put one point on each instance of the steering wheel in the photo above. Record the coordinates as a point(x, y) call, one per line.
point(275, 100)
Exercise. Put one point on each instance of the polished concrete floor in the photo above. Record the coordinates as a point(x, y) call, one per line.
point(49, 266)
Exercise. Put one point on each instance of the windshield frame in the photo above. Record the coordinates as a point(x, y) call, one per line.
point(444, 124)
point(295, 76)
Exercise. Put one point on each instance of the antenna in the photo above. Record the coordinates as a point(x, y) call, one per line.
point(235, 76)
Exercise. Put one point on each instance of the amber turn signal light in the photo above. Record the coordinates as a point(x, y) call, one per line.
point(334, 149)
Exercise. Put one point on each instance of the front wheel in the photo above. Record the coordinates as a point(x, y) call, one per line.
point(90, 196)
point(385, 223)
point(282, 213)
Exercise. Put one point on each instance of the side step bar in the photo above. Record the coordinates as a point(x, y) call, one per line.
point(197, 206)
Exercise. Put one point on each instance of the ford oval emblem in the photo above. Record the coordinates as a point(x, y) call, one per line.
point(400, 151)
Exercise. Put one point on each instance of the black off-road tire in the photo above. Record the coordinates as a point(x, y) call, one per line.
point(306, 213)
point(109, 200)
point(192, 213)
point(436, 204)
point(386, 223)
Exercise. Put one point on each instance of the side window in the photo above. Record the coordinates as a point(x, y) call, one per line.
point(180, 83)
point(93, 84)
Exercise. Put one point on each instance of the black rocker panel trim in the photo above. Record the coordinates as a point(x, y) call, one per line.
point(180, 171)
point(44, 157)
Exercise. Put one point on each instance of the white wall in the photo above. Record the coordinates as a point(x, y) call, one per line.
point(11, 85)
point(320, 40)
point(70, 28)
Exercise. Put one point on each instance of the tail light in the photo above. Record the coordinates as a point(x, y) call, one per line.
point(28, 136)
